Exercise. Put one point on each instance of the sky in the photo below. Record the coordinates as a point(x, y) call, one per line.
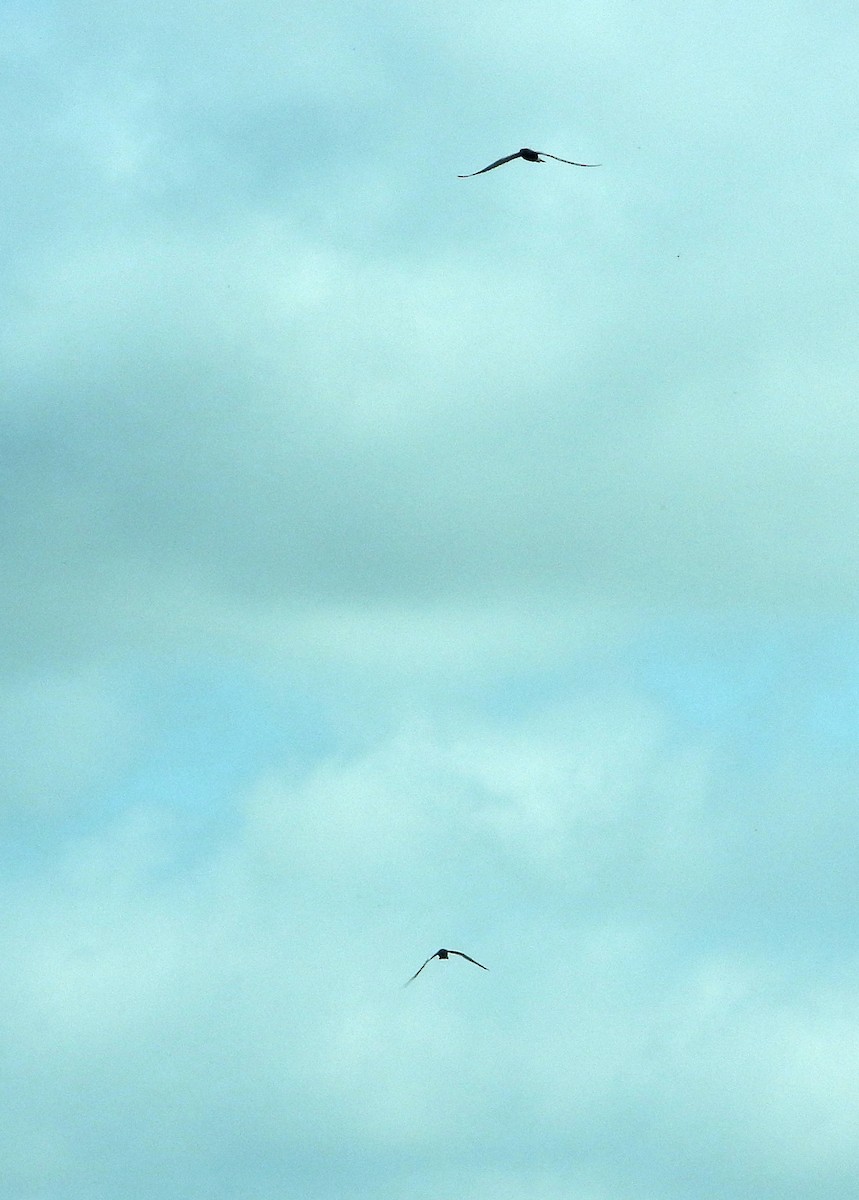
point(393, 561)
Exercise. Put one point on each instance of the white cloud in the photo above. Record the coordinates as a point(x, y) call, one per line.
point(261, 991)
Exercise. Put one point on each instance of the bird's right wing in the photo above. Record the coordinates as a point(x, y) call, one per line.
point(418, 971)
point(468, 956)
point(569, 161)
point(492, 166)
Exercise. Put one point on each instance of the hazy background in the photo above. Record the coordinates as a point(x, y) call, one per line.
point(393, 561)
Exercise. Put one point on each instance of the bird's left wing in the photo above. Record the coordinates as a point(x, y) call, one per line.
point(418, 971)
point(468, 956)
point(569, 161)
point(492, 166)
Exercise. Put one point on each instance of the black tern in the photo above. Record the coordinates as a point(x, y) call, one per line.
point(445, 954)
point(529, 156)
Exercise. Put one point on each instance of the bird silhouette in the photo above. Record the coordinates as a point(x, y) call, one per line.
point(445, 954)
point(529, 156)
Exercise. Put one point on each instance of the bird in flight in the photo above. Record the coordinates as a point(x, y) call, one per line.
point(445, 954)
point(529, 156)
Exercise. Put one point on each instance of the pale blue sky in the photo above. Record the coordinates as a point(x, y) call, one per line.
point(392, 561)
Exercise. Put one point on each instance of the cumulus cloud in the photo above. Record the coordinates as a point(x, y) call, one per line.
point(258, 999)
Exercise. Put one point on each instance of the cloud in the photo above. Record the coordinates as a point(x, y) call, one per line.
point(63, 738)
point(392, 560)
point(258, 999)
point(319, 446)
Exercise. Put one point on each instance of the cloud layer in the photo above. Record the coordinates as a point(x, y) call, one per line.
point(392, 560)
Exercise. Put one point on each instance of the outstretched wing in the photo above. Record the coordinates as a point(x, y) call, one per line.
point(418, 971)
point(569, 161)
point(492, 166)
point(468, 956)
